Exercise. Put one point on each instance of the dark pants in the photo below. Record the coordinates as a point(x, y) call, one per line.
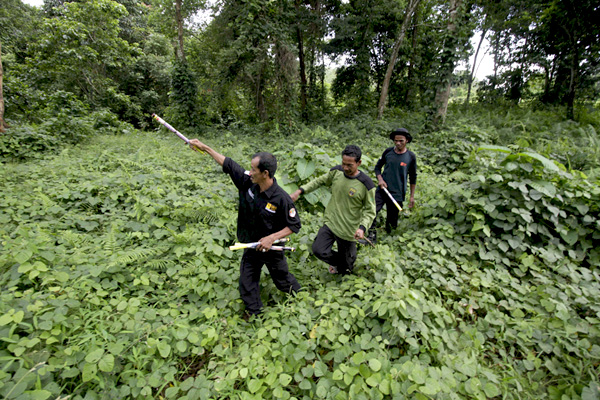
point(250, 269)
point(343, 259)
point(391, 221)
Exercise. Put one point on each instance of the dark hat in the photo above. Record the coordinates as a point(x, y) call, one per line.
point(402, 132)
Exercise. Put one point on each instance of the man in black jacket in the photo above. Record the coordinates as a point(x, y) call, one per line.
point(399, 165)
point(266, 213)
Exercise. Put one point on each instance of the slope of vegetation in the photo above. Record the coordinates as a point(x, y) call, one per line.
point(116, 280)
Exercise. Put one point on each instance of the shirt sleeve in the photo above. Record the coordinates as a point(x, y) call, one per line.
point(380, 163)
point(412, 170)
point(369, 210)
point(318, 182)
point(236, 172)
point(292, 219)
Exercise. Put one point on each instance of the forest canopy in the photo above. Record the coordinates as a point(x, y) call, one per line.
point(270, 62)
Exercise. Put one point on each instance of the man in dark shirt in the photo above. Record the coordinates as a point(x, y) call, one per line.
point(266, 213)
point(399, 163)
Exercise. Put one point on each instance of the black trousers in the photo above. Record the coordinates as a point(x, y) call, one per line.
point(391, 220)
point(250, 269)
point(343, 259)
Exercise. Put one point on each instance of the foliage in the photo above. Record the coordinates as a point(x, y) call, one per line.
point(116, 280)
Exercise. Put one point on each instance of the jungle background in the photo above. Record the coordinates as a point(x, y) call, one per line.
point(116, 278)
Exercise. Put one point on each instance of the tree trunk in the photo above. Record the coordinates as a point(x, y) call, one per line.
point(260, 100)
point(179, 19)
point(303, 84)
point(410, 78)
point(473, 68)
point(443, 92)
point(3, 125)
point(410, 9)
point(572, 84)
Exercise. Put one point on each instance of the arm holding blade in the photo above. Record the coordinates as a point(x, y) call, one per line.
point(254, 245)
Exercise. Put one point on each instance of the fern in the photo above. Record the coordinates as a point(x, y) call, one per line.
point(159, 265)
point(73, 238)
point(138, 255)
point(111, 243)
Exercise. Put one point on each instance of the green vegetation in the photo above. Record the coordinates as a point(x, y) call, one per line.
point(117, 281)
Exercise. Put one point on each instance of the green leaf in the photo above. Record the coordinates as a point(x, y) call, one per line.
point(164, 349)
point(305, 168)
point(358, 358)
point(491, 147)
point(171, 392)
point(548, 164)
point(254, 385)
point(94, 356)
point(285, 379)
point(6, 318)
point(491, 390)
point(107, 363)
point(305, 384)
point(570, 237)
point(89, 372)
point(38, 394)
point(320, 369)
point(591, 392)
point(25, 268)
point(375, 364)
point(338, 375)
point(23, 256)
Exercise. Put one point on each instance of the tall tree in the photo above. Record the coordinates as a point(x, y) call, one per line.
point(364, 32)
point(302, 71)
point(408, 15)
point(569, 34)
point(170, 17)
point(448, 62)
point(81, 51)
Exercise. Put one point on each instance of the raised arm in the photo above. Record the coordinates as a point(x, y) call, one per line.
point(197, 145)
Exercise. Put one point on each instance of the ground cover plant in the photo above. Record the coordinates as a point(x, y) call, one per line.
point(116, 280)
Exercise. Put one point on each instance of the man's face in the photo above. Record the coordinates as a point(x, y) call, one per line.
point(256, 175)
point(400, 142)
point(350, 165)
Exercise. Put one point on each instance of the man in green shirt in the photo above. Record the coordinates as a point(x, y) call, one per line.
point(349, 212)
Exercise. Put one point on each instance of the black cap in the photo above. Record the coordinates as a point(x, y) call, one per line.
point(402, 132)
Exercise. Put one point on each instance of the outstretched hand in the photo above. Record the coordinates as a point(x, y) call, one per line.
point(296, 195)
point(197, 145)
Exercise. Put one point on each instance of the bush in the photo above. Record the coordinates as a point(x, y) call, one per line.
point(25, 142)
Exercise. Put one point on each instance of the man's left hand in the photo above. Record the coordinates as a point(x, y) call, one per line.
point(411, 203)
point(359, 234)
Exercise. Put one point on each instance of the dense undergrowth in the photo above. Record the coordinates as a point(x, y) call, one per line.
point(116, 280)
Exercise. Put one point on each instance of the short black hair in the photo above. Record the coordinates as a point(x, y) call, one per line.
point(266, 162)
point(401, 132)
point(352, 151)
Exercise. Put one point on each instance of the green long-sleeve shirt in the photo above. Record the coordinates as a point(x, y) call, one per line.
point(352, 203)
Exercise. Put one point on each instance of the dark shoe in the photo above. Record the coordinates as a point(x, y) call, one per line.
point(247, 316)
point(372, 236)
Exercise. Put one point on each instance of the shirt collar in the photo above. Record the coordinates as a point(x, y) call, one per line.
point(270, 191)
